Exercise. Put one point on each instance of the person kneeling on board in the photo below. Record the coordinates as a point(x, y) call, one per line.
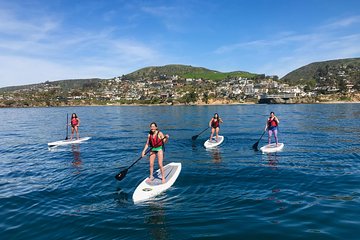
point(156, 140)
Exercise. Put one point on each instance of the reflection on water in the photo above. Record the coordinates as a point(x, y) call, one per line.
point(52, 149)
point(155, 218)
point(194, 146)
point(121, 197)
point(272, 159)
point(215, 152)
point(75, 148)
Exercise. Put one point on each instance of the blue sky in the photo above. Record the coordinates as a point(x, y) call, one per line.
point(67, 39)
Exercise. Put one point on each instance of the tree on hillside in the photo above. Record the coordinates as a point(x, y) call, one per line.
point(75, 93)
point(260, 77)
point(342, 85)
point(274, 77)
point(309, 85)
point(357, 85)
point(90, 86)
point(190, 97)
point(205, 97)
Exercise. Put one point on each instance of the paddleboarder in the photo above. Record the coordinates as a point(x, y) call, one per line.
point(214, 123)
point(156, 141)
point(75, 123)
point(272, 124)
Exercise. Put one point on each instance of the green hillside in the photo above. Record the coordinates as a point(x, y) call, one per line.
point(331, 70)
point(65, 85)
point(186, 71)
point(78, 83)
point(183, 71)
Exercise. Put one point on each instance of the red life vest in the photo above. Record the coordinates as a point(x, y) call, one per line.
point(272, 123)
point(155, 141)
point(214, 123)
point(74, 121)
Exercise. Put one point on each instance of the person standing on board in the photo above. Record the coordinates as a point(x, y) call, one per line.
point(272, 124)
point(75, 123)
point(156, 141)
point(214, 123)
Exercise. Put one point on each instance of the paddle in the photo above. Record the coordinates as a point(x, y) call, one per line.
point(67, 126)
point(255, 146)
point(196, 136)
point(123, 173)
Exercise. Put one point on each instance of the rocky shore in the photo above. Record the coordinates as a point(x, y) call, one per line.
point(328, 98)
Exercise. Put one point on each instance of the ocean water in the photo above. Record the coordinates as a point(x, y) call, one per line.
point(310, 190)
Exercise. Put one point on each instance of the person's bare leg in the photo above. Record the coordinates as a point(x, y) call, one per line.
point(151, 159)
point(160, 161)
point(212, 133)
point(269, 136)
point(77, 132)
point(72, 132)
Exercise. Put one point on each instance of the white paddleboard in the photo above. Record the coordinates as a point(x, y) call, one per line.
point(65, 142)
point(147, 190)
point(272, 147)
point(213, 143)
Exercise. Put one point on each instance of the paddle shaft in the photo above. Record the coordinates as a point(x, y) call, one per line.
point(255, 146)
point(262, 135)
point(194, 137)
point(147, 151)
point(67, 126)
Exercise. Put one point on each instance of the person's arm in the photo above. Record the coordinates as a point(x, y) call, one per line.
point(277, 120)
point(163, 138)
point(266, 125)
point(145, 147)
point(210, 122)
point(221, 121)
point(78, 122)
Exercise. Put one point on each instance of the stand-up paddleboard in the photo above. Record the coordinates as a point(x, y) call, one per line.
point(147, 190)
point(65, 142)
point(272, 147)
point(213, 143)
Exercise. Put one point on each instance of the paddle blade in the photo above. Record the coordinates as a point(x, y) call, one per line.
point(121, 175)
point(194, 137)
point(255, 146)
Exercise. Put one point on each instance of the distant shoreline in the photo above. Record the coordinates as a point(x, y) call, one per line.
point(174, 105)
point(221, 104)
point(320, 99)
point(337, 102)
